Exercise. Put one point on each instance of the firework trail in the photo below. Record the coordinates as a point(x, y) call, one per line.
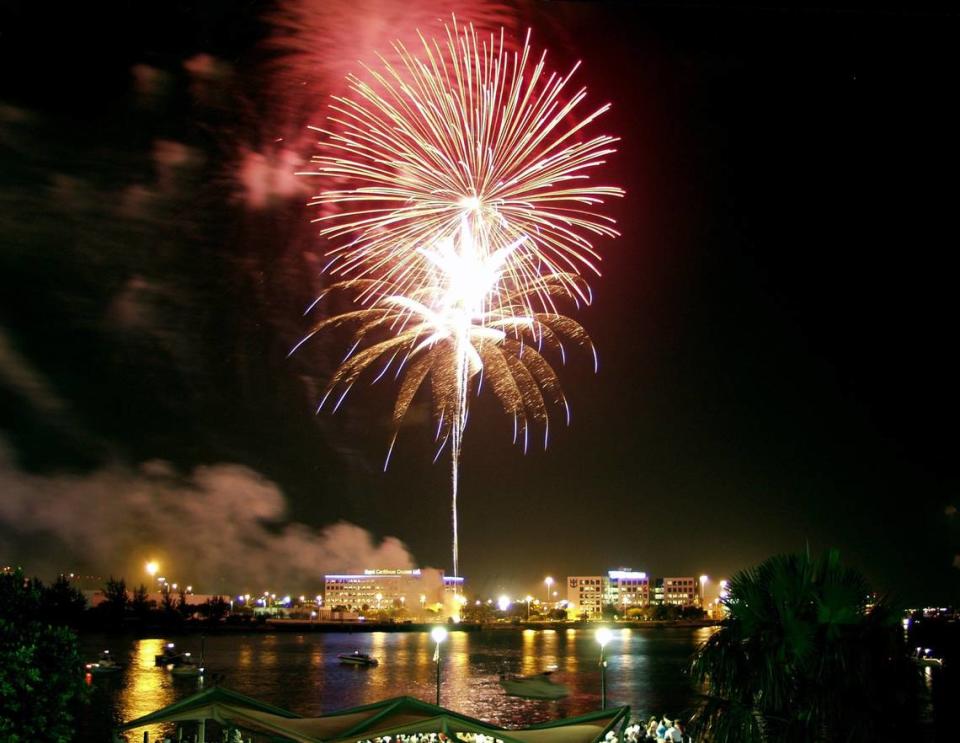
point(470, 213)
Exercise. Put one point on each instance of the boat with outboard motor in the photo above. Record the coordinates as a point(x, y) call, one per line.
point(356, 658)
point(187, 667)
point(169, 656)
point(104, 664)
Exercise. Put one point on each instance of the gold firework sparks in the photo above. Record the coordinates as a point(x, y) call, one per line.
point(466, 128)
point(470, 215)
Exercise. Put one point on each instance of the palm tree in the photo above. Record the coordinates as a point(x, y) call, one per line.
point(802, 658)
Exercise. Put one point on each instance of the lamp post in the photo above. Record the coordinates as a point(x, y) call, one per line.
point(439, 634)
point(603, 637)
point(548, 581)
point(703, 589)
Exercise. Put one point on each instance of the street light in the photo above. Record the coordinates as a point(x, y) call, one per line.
point(603, 637)
point(703, 587)
point(503, 603)
point(528, 599)
point(439, 634)
point(152, 567)
point(549, 583)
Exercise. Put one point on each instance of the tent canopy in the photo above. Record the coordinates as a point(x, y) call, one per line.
point(397, 716)
point(207, 705)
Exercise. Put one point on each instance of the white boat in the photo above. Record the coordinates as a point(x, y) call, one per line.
point(105, 664)
point(540, 686)
point(925, 658)
point(356, 658)
point(169, 656)
point(187, 667)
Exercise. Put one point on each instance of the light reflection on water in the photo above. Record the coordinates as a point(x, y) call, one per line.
point(646, 669)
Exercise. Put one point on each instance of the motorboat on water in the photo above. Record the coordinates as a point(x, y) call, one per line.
point(187, 667)
point(104, 664)
point(169, 656)
point(925, 658)
point(538, 686)
point(356, 658)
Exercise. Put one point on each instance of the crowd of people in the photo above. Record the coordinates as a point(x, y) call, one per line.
point(663, 730)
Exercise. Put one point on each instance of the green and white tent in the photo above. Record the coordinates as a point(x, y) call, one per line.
point(394, 720)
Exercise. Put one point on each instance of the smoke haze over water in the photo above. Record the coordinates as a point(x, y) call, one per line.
point(220, 527)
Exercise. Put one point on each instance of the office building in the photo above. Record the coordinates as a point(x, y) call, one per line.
point(585, 595)
point(626, 588)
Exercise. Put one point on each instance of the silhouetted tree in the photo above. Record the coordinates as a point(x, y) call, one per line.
point(692, 612)
point(168, 607)
point(61, 603)
point(666, 612)
point(800, 659)
point(215, 609)
point(482, 613)
point(41, 675)
point(182, 606)
point(140, 602)
point(115, 601)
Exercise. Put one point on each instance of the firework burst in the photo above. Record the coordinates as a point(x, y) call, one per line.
point(469, 217)
point(468, 128)
point(467, 321)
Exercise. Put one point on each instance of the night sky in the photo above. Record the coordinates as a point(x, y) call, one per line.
point(776, 325)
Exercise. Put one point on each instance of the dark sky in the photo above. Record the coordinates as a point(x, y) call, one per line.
point(776, 326)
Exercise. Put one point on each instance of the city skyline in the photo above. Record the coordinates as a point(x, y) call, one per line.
point(773, 329)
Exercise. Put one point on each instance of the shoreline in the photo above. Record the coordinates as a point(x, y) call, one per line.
point(272, 626)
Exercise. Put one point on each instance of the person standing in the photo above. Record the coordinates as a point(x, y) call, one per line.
point(652, 729)
point(674, 733)
point(662, 730)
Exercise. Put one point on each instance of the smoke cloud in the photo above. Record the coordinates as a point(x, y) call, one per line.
point(221, 528)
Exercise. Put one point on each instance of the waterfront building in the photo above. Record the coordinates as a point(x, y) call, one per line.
point(683, 591)
point(626, 588)
point(385, 590)
point(656, 596)
point(585, 595)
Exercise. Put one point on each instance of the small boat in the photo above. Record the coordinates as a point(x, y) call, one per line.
point(187, 667)
point(925, 658)
point(105, 664)
point(169, 656)
point(356, 658)
point(539, 686)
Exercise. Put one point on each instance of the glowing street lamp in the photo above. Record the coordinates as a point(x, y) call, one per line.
point(439, 634)
point(604, 636)
point(703, 586)
point(152, 567)
point(528, 599)
point(503, 602)
point(548, 581)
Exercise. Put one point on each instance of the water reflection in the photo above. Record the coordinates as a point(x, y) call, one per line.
point(146, 686)
point(647, 669)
